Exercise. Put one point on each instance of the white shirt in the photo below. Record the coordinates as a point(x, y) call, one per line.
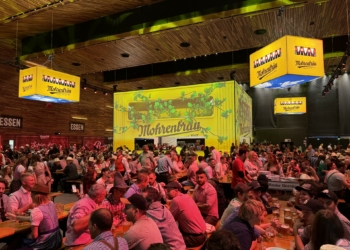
point(215, 155)
point(220, 170)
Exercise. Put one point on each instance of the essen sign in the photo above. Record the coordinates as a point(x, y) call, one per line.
point(10, 121)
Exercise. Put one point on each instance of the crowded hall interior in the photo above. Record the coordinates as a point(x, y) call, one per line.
point(174, 125)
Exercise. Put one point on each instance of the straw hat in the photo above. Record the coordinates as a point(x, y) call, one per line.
point(69, 159)
point(92, 159)
point(56, 160)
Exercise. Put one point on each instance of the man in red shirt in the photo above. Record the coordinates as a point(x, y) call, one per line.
point(239, 174)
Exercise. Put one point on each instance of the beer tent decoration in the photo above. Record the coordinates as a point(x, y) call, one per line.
point(204, 110)
point(290, 106)
point(286, 62)
point(47, 85)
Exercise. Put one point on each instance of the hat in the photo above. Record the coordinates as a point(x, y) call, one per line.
point(136, 200)
point(40, 188)
point(79, 154)
point(56, 160)
point(27, 145)
point(242, 187)
point(91, 159)
point(174, 185)
point(255, 185)
point(334, 155)
point(304, 187)
point(328, 195)
point(311, 205)
point(119, 181)
point(22, 147)
point(341, 157)
point(69, 159)
point(331, 247)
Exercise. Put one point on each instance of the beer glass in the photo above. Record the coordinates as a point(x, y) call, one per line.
point(284, 229)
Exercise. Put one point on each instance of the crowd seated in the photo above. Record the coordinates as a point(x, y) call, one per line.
point(173, 199)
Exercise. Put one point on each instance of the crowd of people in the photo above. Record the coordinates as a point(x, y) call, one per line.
point(167, 212)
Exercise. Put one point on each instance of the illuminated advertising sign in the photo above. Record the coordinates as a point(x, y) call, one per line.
point(290, 105)
point(286, 62)
point(205, 110)
point(41, 84)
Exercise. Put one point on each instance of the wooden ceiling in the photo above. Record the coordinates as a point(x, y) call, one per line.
point(209, 37)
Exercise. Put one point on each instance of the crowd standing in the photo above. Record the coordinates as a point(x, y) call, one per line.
point(142, 190)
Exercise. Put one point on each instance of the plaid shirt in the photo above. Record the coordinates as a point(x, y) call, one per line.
point(117, 209)
point(107, 236)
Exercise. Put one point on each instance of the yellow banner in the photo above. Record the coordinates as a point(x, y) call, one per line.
point(269, 62)
point(205, 110)
point(290, 105)
point(305, 56)
point(244, 120)
point(41, 84)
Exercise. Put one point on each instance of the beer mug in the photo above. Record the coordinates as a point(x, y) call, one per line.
point(287, 212)
point(288, 220)
point(276, 214)
point(284, 229)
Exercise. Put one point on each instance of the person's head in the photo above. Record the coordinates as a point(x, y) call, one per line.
point(145, 148)
point(3, 186)
point(28, 181)
point(22, 161)
point(329, 199)
point(309, 209)
point(306, 191)
point(212, 162)
point(173, 189)
point(223, 159)
point(105, 172)
point(242, 153)
point(110, 178)
point(159, 246)
point(252, 156)
point(326, 229)
point(97, 193)
point(223, 240)
point(135, 207)
point(241, 191)
point(151, 194)
point(152, 178)
point(40, 194)
point(201, 177)
point(119, 152)
point(200, 158)
point(257, 188)
point(271, 158)
point(293, 163)
point(251, 211)
point(101, 220)
point(142, 180)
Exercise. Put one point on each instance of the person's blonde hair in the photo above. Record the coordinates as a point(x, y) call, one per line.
point(249, 209)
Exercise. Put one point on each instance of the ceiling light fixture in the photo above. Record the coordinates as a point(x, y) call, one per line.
point(95, 91)
point(185, 44)
point(125, 55)
point(260, 32)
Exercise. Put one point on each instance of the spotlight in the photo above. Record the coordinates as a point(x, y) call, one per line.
point(105, 93)
point(84, 87)
point(95, 91)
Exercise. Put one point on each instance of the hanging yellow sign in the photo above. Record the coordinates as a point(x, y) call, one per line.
point(286, 62)
point(290, 105)
point(42, 84)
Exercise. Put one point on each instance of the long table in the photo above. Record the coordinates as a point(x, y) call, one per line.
point(8, 228)
point(282, 185)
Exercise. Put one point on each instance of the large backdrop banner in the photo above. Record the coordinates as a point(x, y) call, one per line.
point(205, 110)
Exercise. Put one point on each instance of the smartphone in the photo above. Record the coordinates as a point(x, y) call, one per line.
point(74, 188)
